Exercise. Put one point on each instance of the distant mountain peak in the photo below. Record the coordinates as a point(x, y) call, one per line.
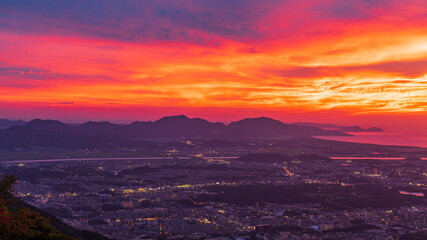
point(257, 120)
point(39, 125)
point(262, 118)
point(175, 117)
point(359, 129)
point(6, 123)
point(374, 129)
point(354, 128)
point(182, 119)
point(44, 123)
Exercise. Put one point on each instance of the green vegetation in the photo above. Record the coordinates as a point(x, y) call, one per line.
point(19, 220)
point(17, 223)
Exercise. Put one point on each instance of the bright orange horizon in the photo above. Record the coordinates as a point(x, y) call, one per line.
point(356, 62)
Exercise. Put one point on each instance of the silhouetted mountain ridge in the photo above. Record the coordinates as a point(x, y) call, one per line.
point(174, 126)
point(41, 126)
point(5, 123)
point(52, 133)
point(359, 129)
point(268, 127)
point(327, 126)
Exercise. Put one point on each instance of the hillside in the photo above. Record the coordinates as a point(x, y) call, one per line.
point(19, 220)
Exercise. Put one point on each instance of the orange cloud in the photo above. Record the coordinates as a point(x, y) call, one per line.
point(355, 58)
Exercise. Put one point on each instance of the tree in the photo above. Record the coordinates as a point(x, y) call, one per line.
point(22, 224)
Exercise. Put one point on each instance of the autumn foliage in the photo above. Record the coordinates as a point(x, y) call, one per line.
point(22, 224)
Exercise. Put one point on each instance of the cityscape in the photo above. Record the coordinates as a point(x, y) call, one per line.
point(204, 189)
point(213, 120)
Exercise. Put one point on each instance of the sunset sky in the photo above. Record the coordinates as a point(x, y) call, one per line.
point(357, 61)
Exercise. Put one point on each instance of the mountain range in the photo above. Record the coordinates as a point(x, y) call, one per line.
point(347, 129)
point(54, 133)
point(177, 126)
point(5, 123)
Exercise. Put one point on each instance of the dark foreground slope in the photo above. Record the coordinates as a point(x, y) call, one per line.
point(60, 225)
point(19, 220)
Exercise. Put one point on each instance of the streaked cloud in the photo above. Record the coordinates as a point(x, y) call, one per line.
point(352, 57)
